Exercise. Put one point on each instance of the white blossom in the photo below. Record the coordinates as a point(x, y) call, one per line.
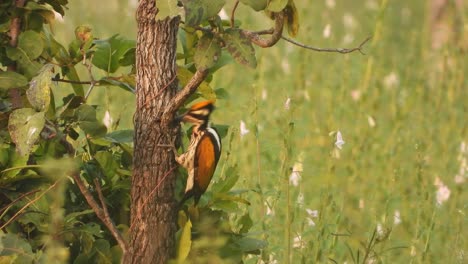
point(442, 192)
point(355, 94)
point(327, 31)
point(391, 80)
point(396, 218)
point(371, 121)
point(330, 3)
point(287, 104)
point(339, 140)
point(107, 120)
point(243, 129)
point(298, 243)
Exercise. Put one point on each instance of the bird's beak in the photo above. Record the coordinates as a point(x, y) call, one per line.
point(179, 118)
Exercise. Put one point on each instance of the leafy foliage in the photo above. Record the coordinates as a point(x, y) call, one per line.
point(44, 216)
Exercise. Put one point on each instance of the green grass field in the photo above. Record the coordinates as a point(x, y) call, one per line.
point(402, 111)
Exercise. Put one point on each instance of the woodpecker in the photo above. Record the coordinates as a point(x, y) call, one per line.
point(203, 153)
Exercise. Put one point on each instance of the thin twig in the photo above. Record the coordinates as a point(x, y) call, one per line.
point(276, 33)
point(27, 205)
point(71, 81)
point(339, 50)
point(100, 212)
point(113, 230)
point(233, 13)
point(18, 199)
point(90, 73)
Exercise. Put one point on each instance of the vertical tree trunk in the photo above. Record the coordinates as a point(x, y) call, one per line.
point(153, 214)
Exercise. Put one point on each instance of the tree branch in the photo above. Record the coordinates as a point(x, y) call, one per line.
point(233, 13)
point(27, 205)
point(101, 212)
point(339, 50)
point(276, 33)
point(183, 94)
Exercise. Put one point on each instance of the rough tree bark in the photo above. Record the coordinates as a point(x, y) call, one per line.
point(153, 214)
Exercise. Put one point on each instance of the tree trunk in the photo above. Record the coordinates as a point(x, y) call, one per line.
point(153, 208)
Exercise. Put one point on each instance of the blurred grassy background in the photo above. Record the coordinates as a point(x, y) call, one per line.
point(401, 109)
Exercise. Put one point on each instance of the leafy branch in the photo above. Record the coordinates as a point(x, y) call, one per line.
point(100, 210)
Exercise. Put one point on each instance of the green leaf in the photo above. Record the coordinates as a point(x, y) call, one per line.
point(39, 89)
point(240, 47)
point(248, 244)
point(185, 242)
point(121, 136)
point(108, 164)
point(85, 113)
point(15, 247)
point(72, 74)
point(25, 126)
point(208, 51)
point(167, 8)
point(128, 58)
point(232, 176)
point(256, 5)
point(86, 116)
point(277, 5)
point(198, 11)
point(221, 93)
point(9, 79)
point(93, 129)
point(128, 85)
point(110, 52)
point(31, 43)
point(246, 222)
point(204, 89)
point(25, 64)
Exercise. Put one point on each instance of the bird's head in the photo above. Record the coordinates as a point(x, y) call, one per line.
point(198, 114)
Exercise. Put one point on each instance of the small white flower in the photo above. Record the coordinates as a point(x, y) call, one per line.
point(330, 3)
point(371, 121)
point(269, 210)
point(372, 5)
point(327, 31)
point(413, 251)
point(312, 213)
point(295, 175)
point(310, 222)
point(396, 218)
point(107, 120)
point(287, 104)
point(243, 129)
point(361, 203)
point(298, 243)
point(223, 15)
point(294, 178)
point(264, 94)
point(339, 140)
point(355, 94)
point(349, 21)
point(443, 194)
point(391, 80)
point(379, 229)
